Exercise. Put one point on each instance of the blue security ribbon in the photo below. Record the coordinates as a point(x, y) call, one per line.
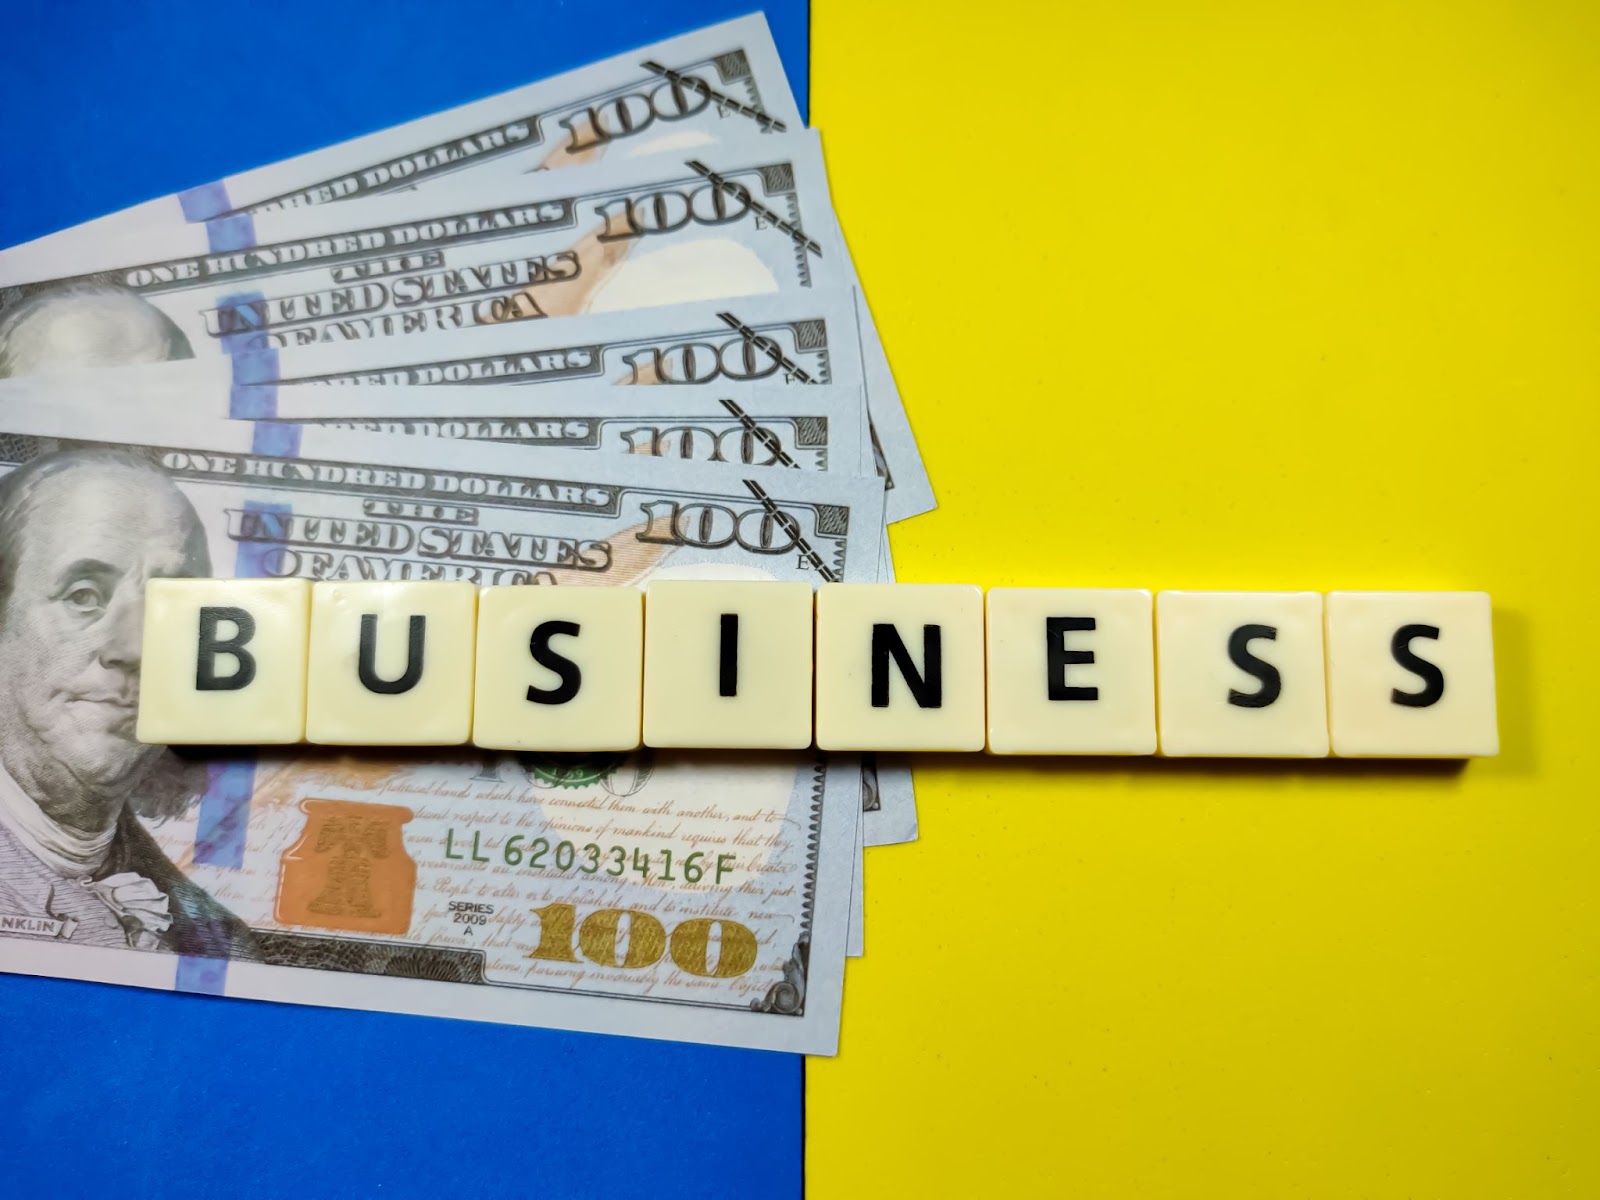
point(223, 824)
point(253, 394)
point(219, 835)
point(279, 439)
point(241, 341)
point(249, 558)
point(205, 976)
point(224, 818)
point(205, 203)
point(237, 231)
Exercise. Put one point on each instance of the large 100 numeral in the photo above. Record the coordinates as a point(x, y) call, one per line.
point(669, 210)
point(712, 526)
point(632, 940)
point(701, 362)
point(633, 112)
point(758, 447)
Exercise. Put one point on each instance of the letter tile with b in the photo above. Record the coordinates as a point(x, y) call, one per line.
point(1411, 674)
point(727, 664)
point(1071, 671)
point(900, 667)
point(558, 668)
point(224, 662)
point(391, 664)
point(1240, 674)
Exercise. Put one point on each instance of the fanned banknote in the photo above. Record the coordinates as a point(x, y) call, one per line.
point(809, 429)
point(805, 337)
point(522, 889)
point(748, 217)
point(702, 87)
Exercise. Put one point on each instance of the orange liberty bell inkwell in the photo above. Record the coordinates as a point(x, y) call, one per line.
point(349, 870)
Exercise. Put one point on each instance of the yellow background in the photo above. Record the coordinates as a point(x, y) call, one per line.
point(1235, 296)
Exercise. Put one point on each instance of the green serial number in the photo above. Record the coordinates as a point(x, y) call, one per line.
point(540, 854)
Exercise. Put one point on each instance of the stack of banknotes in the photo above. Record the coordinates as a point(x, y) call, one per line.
point(598, 330)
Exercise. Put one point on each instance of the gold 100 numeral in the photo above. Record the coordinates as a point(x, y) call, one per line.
point(601, 940)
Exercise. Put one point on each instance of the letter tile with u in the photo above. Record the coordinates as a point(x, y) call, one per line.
point(391, 664)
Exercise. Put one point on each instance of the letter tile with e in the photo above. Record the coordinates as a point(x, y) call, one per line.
point(1071, 671)
point(558, 668)
point(224, 661)
point(391, 664)
point(1240, 674)
point(1411, 675)
point(727, 664)
point(900, 667)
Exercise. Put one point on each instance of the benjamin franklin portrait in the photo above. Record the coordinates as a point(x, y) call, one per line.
point(80, 533)
point(87, 323)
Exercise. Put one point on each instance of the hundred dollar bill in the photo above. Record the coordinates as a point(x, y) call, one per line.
point(809, 429)
point(736, 221)
point(805, 337)
point(700, 88)
point(527, 889)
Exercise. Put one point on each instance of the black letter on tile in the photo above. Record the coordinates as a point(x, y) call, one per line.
point(564, 668)
point(206, 678)
point(369, 652)
point(1058, 658)
point(927, 688)
point(1432, 678)
point(728, 656)
point(1239, 652)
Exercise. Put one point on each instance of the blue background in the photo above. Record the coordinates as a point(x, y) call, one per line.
point(126, 1093)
